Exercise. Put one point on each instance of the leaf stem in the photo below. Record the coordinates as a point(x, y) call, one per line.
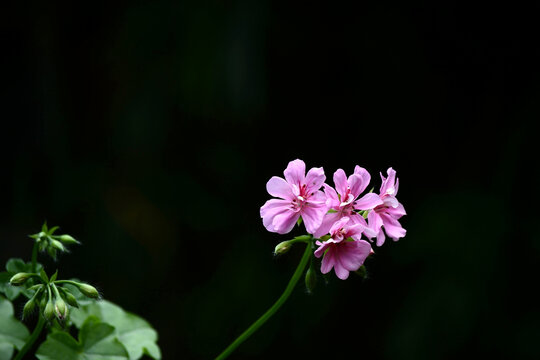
point(30, 342)
point(268, 314)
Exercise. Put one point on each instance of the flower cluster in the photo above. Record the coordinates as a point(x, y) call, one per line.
point(337, 216)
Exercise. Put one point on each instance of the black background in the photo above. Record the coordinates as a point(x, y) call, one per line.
point(148, 130)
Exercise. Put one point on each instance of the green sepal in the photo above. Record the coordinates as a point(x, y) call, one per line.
point(362, 272)
point(53, 277)
point(325, 237)
point(299, 221)
point(44, 276)
point(52, 230)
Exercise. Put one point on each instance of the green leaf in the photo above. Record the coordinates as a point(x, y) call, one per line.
point(131, 330)
point(13, 333)
point(95, 343)
point(16, 265)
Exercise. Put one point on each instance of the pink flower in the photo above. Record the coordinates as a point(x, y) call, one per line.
point(345, 200)
point(341, 254)
point(299, 195)
point(387, 214)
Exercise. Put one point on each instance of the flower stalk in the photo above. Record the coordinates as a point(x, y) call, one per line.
point(268, 314)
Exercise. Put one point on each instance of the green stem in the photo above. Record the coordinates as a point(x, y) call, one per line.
point(268, 314)
point(66, 282)
point(32, 339)
point(34, 256)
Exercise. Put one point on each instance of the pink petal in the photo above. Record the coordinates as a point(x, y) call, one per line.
point(328, 220)
point(339, 224)
point(390, 201)
point(368, 202)
point(314, 179)
point(272, 208)
point(328, 261)
point(322, 248)
point(392, 227)
point(319, 198)
point(313, 217)
point(370, 233)
point(375, 222)
point(340, 181)
point(357, 219)
point(364, 174)
point(278, 187)
point(353, 254)
point(396, 212)
point(285, 221)
point(295, 172)
point(332, 200)
point(341, 271)
point(355, 231)
point(357, 185)
point(388, 183)
point(380, 238)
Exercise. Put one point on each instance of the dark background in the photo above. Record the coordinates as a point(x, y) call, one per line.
point(148, 130)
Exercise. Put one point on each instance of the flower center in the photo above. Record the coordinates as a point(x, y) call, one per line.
point(301, 197)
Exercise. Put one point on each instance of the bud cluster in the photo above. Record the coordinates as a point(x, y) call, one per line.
point(51, 296)
point(51, 243)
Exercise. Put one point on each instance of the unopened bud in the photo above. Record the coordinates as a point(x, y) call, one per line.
point(67, 239)
point(89, 290)
point(70, 299)
point(311, 279)
point(57, 245)
point(60, 309)
point(29, 307)
point(48, 313)
point(282, 248)
point(20, 278)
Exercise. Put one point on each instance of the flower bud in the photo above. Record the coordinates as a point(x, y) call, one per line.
point(19, 279)
point(60, 309)
point(57, 245)
point(311, 279)
point(88, 290)
point(282, 248)
point(70, 299)
point(48, 313)
point(67, 239)
point(29, 307)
